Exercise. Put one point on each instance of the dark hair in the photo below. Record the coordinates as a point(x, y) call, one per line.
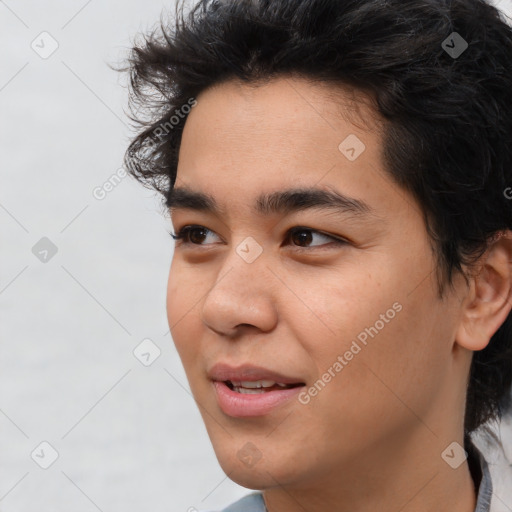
point(447, 115)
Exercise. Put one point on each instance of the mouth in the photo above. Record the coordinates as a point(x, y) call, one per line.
point(241, 399)
point(258, 387)
point(250, 376)
point(250, 390)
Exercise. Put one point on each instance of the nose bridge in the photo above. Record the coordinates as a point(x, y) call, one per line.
point(242, 293)
point(247, 263)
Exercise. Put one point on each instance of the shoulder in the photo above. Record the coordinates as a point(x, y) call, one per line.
point(251, 503)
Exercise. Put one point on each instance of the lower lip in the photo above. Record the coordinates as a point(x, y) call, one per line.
point(242, 405)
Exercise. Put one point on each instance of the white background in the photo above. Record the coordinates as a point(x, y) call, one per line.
point(128, 437)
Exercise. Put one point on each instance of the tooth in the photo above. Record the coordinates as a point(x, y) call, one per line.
point(255, 384)
point(250, 385)
point(245, 391)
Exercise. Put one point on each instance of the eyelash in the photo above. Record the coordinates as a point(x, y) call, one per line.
point(185, 231)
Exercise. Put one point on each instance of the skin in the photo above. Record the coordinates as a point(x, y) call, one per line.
point(372, 439)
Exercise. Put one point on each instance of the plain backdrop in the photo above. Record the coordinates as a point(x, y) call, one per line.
point(83, 282)
point(129, 437)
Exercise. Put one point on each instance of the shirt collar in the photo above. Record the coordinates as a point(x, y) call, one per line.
point(481, 475)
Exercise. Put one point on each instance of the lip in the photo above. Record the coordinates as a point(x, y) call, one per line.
point(246, 405)
point(241, 405)
point(248, 372)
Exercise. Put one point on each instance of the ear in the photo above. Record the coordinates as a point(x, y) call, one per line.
point(489, 299)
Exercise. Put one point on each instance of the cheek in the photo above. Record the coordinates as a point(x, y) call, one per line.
point(181, 307)
point(339, 308)
point(385, 337)
point(182, 293)
point(173, 291)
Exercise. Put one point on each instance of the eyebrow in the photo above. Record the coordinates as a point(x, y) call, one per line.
point(281, 202)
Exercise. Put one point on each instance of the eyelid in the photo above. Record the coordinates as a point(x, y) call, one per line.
point(183, 231)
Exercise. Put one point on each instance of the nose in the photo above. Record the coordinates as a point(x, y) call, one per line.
point(243, 295)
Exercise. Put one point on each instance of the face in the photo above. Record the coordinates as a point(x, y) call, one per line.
point(346, 304)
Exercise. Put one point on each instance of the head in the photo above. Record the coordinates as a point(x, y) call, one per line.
point(409, 281)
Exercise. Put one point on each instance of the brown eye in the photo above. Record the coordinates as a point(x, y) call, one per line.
point(303, 236)
point(192, 234)
point(300, 236)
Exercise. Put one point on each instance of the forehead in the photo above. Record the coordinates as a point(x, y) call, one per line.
point(246, 141)
point(285, 99)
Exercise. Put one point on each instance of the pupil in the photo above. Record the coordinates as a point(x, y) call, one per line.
point(303, 232)
point(191, 235)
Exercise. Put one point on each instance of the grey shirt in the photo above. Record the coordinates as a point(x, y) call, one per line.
point(254, 502)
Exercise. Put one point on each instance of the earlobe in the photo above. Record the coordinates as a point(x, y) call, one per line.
point(489, 299)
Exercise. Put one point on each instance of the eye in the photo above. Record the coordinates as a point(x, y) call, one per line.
point(185, 234)
point(194, 235)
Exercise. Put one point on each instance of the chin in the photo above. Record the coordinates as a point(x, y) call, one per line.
point(252, 477)
point(251, 470)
